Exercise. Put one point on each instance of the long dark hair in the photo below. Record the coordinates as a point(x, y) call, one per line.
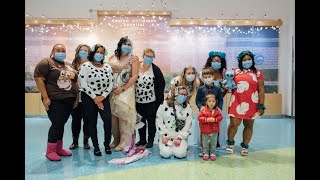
point(223, 63)
point(118, 51)
point(76, 60)
point(240, 61)
point(94, 50)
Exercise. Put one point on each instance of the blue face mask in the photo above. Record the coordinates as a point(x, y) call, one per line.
point(181, 99)
point(148, 60)
point(83, 54)
point(126, 48)
point(247, 64)
point(59, 56)
point(216, 65)
point(98, 57)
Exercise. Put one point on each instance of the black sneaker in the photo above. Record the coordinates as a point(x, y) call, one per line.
point(97, 151)
point(149, 144)
point(108, 149)
point(141, 143)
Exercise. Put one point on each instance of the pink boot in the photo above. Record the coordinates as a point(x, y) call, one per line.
point(61, 151)
point(51, 153)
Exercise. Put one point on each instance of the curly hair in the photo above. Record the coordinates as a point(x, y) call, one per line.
point(240, 58)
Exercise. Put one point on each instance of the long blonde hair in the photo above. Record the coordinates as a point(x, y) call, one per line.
point(183, 78)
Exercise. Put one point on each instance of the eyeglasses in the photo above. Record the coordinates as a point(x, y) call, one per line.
point(148, 56)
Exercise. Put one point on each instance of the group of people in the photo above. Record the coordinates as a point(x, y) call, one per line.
point(124, 90)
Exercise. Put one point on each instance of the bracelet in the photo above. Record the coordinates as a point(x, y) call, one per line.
point(261, 106)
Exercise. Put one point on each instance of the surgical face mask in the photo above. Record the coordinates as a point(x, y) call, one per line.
point(83, 54)
point(207, 81)
point(190, 77)
point(126, 48)
point(148, 60)
point(247, 64)
point(216, 65)
point(98, 57)
point(59, 56)
point(181, 99)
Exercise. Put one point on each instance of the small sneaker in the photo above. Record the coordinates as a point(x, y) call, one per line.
point(200, 154)
point(205, 157)
point(213, 157)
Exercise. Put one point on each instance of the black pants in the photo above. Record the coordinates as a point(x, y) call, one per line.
point(148, 111)
point(58, 113)
point(77, 116)
point(91, 113)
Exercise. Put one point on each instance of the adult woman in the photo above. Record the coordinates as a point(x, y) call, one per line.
point(188, 79)
point(174, 119)
point(246, 102)
point(57, 84)
point(149, 95)
point(125, 66)
point(96, 82)
point(81, 56)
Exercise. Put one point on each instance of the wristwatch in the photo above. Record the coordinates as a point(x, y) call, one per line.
point(122, 89)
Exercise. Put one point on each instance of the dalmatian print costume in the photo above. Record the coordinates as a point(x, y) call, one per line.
point(145, 87)
point(166, 126)
point(95, 80)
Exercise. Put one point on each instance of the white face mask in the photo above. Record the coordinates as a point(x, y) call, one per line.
point(207, 81)
point(190, 77)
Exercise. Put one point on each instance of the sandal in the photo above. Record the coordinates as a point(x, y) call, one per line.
point(230, 146)
point(244, 152)
point(244, 149)
point(118, 148)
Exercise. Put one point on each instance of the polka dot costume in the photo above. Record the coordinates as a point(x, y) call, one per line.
point(244, 99)
point(145, 87)
point(94, 80)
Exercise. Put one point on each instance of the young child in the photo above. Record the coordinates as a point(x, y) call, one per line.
point(208, 88)
point(209, 118)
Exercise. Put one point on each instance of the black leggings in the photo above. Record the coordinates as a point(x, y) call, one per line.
point(91, 113)
point(58, 113)
point(77, 116)
point(148, 111)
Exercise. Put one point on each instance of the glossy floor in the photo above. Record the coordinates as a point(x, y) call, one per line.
point(272, 156)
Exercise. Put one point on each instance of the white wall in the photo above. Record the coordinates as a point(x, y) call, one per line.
point(211, 9)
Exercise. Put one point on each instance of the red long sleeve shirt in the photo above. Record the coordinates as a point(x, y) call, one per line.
point(209, 127)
